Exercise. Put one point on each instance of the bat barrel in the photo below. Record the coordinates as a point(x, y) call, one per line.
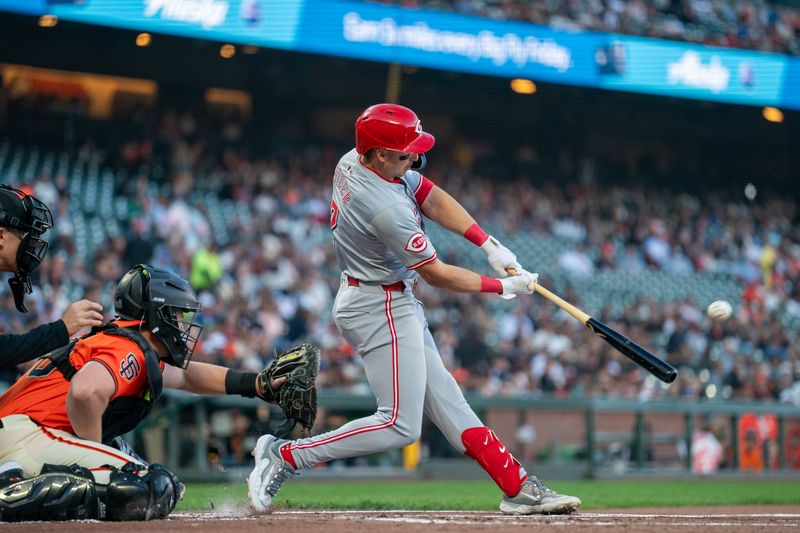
point(639, 355)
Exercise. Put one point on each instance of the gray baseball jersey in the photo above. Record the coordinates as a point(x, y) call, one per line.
point(378, 231)
point(379, 239)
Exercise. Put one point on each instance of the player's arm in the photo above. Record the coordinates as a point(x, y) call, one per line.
point(208, 379)
point(17, 349)
point(90, 390)
point(444, 276)
point(443, 209)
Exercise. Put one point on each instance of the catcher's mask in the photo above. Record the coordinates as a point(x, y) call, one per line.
point(29, 216)
point(167, 305)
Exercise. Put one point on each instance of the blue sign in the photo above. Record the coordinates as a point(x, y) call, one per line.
point(454, 42)
point(449, 42)
point(29, 7)
point(262, 22)
point(791, 85)
point(690, 71)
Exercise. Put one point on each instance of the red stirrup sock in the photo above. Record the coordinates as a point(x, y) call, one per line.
point(287, 455)
point(484, 446)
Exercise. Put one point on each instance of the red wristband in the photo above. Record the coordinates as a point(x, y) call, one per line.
point(491, 285)
point(476, 235)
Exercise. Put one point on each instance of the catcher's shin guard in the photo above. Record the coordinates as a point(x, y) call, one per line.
point(58, 493)
point(129, 496)
point(484, 446)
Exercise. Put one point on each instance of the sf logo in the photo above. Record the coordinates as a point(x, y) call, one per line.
point(129, 367)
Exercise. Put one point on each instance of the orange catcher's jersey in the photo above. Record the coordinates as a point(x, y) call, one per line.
point(42, 392)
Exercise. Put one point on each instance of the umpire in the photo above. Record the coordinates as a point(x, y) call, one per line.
point(23, 221)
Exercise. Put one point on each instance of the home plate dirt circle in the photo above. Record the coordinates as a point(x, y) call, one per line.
point(694, 519)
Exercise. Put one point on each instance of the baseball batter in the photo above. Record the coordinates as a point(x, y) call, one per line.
point(376, 218)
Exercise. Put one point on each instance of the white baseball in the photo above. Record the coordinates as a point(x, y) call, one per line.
point(719, 310)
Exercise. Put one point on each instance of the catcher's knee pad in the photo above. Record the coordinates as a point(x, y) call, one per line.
point(58, 493)
point(129, 496)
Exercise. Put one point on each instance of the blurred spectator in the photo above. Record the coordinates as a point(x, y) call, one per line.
point(206, 269)
point(757, 25)
point(758, 435)
point(751, 455)
point(707, 452)
point(139, 246)
point(253, 235)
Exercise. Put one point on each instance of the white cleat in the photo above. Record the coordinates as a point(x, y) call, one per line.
point(537, 498)
point(270, 472)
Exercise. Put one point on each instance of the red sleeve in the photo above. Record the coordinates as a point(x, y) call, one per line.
point(423, 189)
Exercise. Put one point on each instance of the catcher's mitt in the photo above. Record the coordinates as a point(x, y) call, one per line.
point(297, 397)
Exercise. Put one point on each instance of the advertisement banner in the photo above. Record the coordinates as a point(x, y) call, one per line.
point(461, 43)
point(691, 71)
point(269, 23)
point(448, 42)
point(791, 85)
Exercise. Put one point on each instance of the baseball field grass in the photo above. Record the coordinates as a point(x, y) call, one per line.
point(483, 495)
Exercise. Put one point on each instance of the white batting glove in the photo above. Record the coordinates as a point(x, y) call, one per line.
point(519, 284)
point(500, 258)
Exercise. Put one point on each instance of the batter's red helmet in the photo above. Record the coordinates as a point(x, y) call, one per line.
point(391, 126)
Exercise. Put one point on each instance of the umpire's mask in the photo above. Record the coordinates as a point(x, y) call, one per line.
point(26, 214)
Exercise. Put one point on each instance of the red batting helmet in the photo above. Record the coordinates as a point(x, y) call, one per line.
point(391, 126)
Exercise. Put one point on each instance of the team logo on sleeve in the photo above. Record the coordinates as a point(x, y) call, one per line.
point(417, 243)
point(129, 367)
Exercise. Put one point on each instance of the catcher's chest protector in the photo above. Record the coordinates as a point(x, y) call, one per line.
point(124, 413)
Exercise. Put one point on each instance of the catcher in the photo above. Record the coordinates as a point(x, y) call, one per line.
point(62, 420)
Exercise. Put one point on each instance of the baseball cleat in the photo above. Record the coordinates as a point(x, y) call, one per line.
point(537, 498)
point(270, 472)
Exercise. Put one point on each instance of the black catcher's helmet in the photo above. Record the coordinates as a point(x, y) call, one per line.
point(29, 216)
point(168, 306)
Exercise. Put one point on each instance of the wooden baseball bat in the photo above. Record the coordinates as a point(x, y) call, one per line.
point(636, 353)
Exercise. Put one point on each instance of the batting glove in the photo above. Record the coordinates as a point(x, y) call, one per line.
point(500, 258)
point(519, 284)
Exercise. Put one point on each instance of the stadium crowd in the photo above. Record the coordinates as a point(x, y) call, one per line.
point(252, 235)
point(755, 25)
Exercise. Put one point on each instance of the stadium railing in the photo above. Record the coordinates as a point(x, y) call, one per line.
point(585, 425)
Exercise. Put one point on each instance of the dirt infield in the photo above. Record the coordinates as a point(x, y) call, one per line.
point(717, 519)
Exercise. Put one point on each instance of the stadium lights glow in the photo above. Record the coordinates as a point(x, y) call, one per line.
point(249, 49)
point(227, 51)
point(523, 86)
point(143, 39)
point(48, 21)
point(772, 114)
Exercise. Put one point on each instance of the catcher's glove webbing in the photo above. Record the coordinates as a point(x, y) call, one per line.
point(297, 397)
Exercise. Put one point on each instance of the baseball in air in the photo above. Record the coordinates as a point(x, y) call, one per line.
point(720, 310)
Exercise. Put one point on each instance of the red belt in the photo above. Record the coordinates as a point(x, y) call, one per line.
point(398, 286)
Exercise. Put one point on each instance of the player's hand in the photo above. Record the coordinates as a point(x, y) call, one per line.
point(276, 383)
point(519, 284)
point(500, 258)
point(81, 314)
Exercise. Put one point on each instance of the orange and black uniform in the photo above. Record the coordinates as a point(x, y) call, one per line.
point(35, 406)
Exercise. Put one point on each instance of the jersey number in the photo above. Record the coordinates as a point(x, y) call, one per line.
point(334, 214)
point(42, 368)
